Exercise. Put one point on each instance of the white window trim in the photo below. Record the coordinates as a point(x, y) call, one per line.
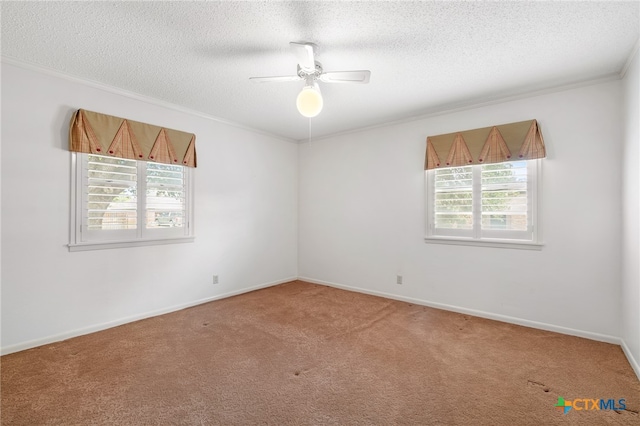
point(471, 238)
point(75, 239)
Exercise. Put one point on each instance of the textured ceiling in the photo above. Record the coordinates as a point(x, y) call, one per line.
point(423, 56)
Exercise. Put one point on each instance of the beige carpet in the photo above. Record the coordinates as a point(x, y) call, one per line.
point(306, 354)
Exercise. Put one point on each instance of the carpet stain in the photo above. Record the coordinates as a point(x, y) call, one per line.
point(544, 387)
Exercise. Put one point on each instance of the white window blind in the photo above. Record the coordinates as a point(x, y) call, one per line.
point(505, 200)
point(165, 196)
point(484, 202)
point(453, 205)
point(122, 200)
point(111, 191)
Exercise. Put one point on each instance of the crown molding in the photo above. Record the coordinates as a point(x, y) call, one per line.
point(630, 58)
point(476, 103)
point(132, 95)
point(432, 112)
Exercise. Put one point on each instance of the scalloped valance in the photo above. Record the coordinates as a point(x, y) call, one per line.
point(496, 144)
point(102, 134)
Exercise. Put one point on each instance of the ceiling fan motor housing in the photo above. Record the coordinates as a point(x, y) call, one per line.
point(316, 73)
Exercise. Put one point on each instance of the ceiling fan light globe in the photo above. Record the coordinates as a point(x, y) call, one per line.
point(309, 102)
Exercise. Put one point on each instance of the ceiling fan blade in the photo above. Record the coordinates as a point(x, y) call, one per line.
point(275, 79)
point(361, 76)
point(305, 54)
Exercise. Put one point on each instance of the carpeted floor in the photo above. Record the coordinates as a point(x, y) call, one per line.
point(300, 353)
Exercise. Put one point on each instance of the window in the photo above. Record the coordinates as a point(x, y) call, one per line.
point(120, 202)
point(491, 203)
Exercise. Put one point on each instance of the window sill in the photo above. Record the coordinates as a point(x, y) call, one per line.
point(102, 245)
point(484, 243)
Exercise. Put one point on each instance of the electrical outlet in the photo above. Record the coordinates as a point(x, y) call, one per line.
point(399, 279)
point(215, 279)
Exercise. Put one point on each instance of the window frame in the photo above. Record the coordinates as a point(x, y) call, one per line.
point(488, 238)
point(80, 239)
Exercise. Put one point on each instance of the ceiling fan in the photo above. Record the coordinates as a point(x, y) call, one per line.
point(309, 101)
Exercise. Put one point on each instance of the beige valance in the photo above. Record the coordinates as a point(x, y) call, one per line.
point(102, 134)
point(496, 144)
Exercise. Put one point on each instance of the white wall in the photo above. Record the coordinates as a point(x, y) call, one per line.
point(631, 216)
point(245, 213)
point(362, 219)
point(360, 202)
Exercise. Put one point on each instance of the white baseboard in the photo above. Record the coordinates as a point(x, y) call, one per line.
point(635, 365)
point(103, 326)
point(634, 362)
point(504, 318)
